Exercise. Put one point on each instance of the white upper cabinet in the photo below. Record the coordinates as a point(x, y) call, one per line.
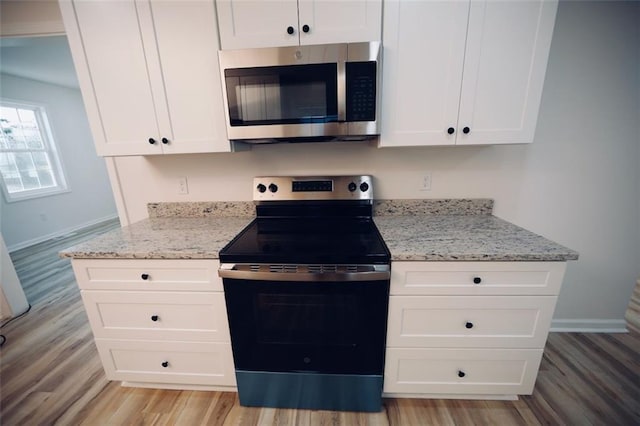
point(464, 72)
point(260, 23)
point(149, 72)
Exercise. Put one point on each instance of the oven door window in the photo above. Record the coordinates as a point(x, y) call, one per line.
point(314, 327)
point(292, 94)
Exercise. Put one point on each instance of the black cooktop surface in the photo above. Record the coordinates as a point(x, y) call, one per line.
point(308, 241)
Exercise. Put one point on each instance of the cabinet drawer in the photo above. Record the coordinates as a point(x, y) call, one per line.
point(477, 278)
point(469, 321)
point(461, 371)
point(148, 274)
point(192, 316)
point(197, 363)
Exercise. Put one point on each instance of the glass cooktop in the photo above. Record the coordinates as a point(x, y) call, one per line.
point(308, 241)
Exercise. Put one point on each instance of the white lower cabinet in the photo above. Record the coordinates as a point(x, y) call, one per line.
point(461, 371)
point(188, 363)
point(160, 323)
point(468, 328)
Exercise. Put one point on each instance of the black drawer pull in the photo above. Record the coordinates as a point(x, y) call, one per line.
point(477, 280)
point(144, 276)
point(154, 318)
point(467, 324)
point(461, 373)
point(165, 364)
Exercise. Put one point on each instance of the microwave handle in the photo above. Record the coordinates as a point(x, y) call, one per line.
point(342, 91)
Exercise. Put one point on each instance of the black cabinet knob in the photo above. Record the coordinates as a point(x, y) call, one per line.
point(461, 373)
point(290, 30)
point(450, 130)
point(152, 141)
point(144, 276)
point(477, 280)
point(165, 141)
point(165, 364)
point(468, 324)
point(154, 318)
point(305, 28)
point(466, 130)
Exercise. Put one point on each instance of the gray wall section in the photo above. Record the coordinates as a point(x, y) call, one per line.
point(90, 198)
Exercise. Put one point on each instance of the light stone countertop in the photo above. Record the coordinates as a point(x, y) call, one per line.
point(433, 230)
point(465, 238)
point(163, 238)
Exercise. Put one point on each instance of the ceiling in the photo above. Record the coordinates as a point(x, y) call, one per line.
point(45, 59)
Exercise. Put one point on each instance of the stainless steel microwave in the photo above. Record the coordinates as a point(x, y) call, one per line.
point(302, 93)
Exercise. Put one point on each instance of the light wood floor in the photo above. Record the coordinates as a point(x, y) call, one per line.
point(50, 374)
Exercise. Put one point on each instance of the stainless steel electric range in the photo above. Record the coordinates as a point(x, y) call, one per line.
point(307, 289)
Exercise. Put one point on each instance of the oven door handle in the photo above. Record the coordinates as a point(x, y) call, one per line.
point(304, 273)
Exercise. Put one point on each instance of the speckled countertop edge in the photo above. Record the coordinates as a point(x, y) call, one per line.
point(457, 206)
point(201, 209)
point(429, 230)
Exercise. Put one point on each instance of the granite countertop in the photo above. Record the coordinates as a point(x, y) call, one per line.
point(434, 230)
point(465, 238)
point(172, 231)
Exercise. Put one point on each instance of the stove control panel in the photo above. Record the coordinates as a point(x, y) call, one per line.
point(288, 188)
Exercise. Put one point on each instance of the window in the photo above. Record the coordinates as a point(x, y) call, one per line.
point(29, 164)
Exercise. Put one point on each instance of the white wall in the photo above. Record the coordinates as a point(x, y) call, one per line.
point(577, 184)
point(90, 198)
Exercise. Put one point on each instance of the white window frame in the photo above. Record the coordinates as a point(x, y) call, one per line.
point(49, 148)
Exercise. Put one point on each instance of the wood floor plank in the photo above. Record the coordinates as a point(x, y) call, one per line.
point(50, 373)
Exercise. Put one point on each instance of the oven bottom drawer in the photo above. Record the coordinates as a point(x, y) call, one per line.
point(195, 363)
point(336, 392)
point(461, 371)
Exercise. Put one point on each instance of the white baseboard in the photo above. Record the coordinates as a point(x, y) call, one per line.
point(59, 233)
point(589, 326)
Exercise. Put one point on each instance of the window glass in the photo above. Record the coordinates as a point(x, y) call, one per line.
point(29, 165)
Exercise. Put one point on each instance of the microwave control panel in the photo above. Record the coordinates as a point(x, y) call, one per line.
point(361, 91)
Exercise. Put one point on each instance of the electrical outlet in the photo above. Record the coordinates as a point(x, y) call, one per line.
point(425, 185)
point(183, 188)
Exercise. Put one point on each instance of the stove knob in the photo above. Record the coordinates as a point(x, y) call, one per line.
point(364, 187)
point(261, 188)
point(273, 187)
point(352, 187)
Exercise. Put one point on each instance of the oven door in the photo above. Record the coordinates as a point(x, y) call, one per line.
point(314, 327)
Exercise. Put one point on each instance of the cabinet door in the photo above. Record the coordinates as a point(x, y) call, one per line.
point(476, 278)
point(139, 315)
point(148, 274)
point(192, 118)
point(461, 371)
point(424, 44)
point(505, 63)
point(469, 321)
point(344, 21)
point(257, 23)
point(183, 363)
point(109, 55)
